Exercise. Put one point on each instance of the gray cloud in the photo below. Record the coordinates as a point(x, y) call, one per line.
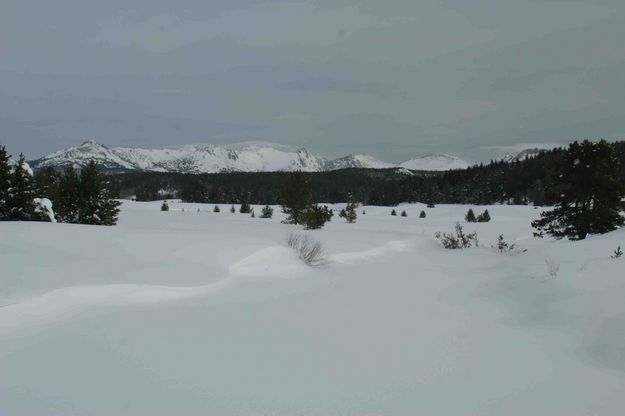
point(388, 78)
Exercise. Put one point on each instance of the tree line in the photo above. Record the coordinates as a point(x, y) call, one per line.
point(83, 197)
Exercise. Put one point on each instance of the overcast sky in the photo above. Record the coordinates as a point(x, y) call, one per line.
point(393, 78)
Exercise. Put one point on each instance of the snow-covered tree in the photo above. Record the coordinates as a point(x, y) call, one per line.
point(470, 217)
point(266, 212)
point(349, 213)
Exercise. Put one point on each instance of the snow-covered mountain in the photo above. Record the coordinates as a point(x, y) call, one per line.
point(435, 162)
point(357, 161)
point(242, 157)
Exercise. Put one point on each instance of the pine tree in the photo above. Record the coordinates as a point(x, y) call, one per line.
point(266, 212)
point(349, 213)
point(165, 206)
point(470, 217)
point(422, 214)
point(233, 209)
point(97, 206)
point(21, 193)
point(5, 183)
point(245, 208)
point(296, 198)
point(253, 215)
point(591, 197)
point(484, 216)
point(67, 204)
point(315, 216)
point(393, 213)
point(216, 209)
point(403, 214)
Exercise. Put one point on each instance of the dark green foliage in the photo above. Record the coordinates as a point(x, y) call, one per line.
point(97, 206)
point(266, 212)
point(470, 217)
point(165, 206)
point(363, 212)
point(5, 183)
point(296, 198)
point(67, 203)
point(20, 199)
point(216, 209)
point(483, 217)
point(233, 209)
point(393, 213)
point(245, 208)
point(315, 216)
point(422, 214)
point(591, 193)
point(349, 213)
point(403, 214)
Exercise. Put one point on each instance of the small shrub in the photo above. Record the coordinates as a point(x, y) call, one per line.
point(310, 251)
point(430, 204)
point(315, 217)
point(233, 209)
point(216, 209)
point(266, 212)
point(484, 217)
point(422, 214)
point(457, 241)
point(470, 217)
point(349, 213)
point(363, 212)
point(253, 215)
point(165, 206)
point(503, 247)
point(553, 267)
point(617, 253)
point(393, 213)
point(403, 214)
point(245, 208)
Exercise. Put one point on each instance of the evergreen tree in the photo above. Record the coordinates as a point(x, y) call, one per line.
point(363, 212)
point(349, 213)
point(253, 215)
point(245, 208)
point(165, 206)
point(5, 183)
point(21, 194)
point(591, 197)
point(67, 204)
point(484, 216)
point(422, 214)
point(266, 212)
point(403, 214)
point(470, 217)
point(315, 216)
point(97, 206)
point(216, 209)
point(233, 209)
point(296, 198)
point(393, 213)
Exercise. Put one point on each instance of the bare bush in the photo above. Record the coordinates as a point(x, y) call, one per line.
point(553, 267)
point(503, 247)
point(457, 241)
point(310, 251)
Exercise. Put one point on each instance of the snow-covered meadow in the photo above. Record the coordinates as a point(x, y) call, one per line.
point(194, 313)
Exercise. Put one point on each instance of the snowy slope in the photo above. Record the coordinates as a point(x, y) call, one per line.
point(201, 313)
point(242, 157)
point(246, 157)
point(360, 160)
point(435, 162)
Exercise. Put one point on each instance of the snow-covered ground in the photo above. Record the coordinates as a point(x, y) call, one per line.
point(195, 313)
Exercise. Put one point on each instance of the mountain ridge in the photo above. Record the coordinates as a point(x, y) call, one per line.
point(240, 157)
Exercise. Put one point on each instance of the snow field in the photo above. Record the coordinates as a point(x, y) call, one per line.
point(210, 313)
